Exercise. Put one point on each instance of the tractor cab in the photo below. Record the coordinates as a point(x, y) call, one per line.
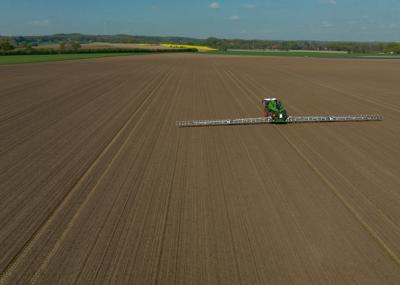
point(274, 108)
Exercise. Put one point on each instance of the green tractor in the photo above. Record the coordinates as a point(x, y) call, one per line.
point(274, 109)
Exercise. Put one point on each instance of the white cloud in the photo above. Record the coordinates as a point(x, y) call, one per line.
point(40, 23)
point(327, 25)
point(331, 2)
point(249, 6)
point(234, 18)
point(215, 5)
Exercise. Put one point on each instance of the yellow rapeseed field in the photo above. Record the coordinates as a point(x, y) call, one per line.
point(200, 48)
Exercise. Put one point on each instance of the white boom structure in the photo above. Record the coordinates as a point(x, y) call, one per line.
point(269, 120)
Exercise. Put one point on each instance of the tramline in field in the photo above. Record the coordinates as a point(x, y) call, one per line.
point(275, 113)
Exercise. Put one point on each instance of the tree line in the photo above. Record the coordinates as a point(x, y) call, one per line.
point(72, 41)
point(350, 47)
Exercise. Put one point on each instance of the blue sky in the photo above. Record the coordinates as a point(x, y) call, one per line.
point(361, 20)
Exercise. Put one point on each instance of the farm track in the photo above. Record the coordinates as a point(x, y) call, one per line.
point(99, 186)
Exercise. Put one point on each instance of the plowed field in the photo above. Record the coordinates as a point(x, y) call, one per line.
point(98, 185)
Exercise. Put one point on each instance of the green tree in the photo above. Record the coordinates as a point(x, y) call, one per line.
point(26, 46)
point(62, 46)
point(69, 46)
point(393, 48)
point(75, 45)
point(6, 45)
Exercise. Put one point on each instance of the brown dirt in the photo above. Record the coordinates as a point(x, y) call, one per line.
point(98, 185)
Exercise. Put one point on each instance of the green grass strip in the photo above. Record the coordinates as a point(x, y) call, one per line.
point(19, 59)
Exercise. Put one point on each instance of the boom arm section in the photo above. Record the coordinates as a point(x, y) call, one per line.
point(269, 120)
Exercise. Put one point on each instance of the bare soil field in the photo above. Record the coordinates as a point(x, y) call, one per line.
point(97, 185)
